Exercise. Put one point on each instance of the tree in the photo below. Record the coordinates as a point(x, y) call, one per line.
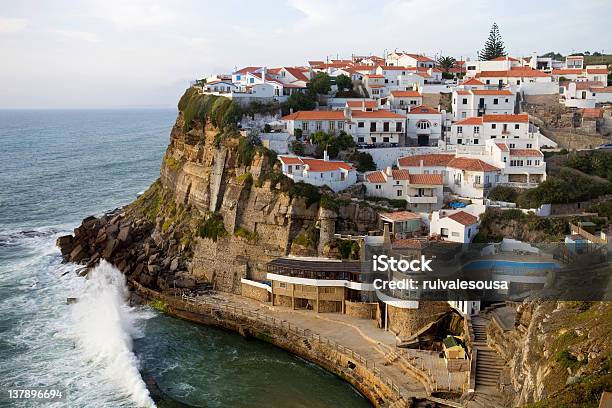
point(446, 63)
point(494, 46)
point(300, 101)
point(344, 82)
point(554, 55)
point(320, 84)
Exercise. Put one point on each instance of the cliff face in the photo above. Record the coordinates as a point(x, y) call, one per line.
point(206, 174)
point(559, 352)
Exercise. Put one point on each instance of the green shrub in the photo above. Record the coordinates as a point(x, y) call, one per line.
point(309, 192)
point(246, 152)
point(297, 147)
point(398, 203)
point(332, 203)
point(348, 249)
point(159, 305)
point(172, 163)
point(503, 193)
point(246, 178)
point(364, 161)
point(196, 106)
point(303, 240)
point(213, 227)
point(244, 233)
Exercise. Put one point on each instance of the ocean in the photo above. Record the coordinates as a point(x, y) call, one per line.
point(59, 166)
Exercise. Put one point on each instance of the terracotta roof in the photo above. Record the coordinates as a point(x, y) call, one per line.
point(406, 94)
point(374, 76)
point(575, 57)
point(526, 152)
point(325, 165)
point(472, 81)
point(462, 92)
point(429, 160)
point(290, 160)
point(401, 215)
point(505, 58)
point(491, 92)
point(607, 89)
point(503, 147)
point(394, 68)
point(315, 62)
point(426, 179)
point(400, 174)
point(470, 121)
point(315, 115)
point(423, 109)
point(376, 114)
point(468, 164)
point(299, 75)
point(376, 177)
point(510, 118)
point(566, 71)
point(376, 86)
point(595, 113)
point(246, 70)
point(513, 72)
point(580, 85)
point(463, 218)
point(597, 71)
point(407, 243)
point(420, 58)
point(359, 104)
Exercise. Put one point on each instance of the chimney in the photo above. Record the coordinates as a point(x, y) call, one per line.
point(290, 111)
point(386, 236)
point(263, 75)
point(421, 164)
point(325, 155)
point(388, 171)
point(363, 104)
point(347, 113)
point(409, 108)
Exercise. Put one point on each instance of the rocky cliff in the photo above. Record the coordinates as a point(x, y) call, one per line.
point(219, 212)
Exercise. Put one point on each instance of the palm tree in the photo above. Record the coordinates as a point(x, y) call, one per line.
point(446, 63)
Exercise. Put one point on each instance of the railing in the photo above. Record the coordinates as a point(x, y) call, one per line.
point(422, 199)
point(482, 185)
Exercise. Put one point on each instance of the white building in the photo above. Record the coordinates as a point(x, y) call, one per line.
point(422, 192)
point(337, 175)
point(409, 60)
point(424, 125)
point(375, 85)
point(464, 176)
point(401, 100)
point(584, 94)
point(477, 102)
point(453, 225)
point(520, 166)
point(521, 79)
point(475, 130)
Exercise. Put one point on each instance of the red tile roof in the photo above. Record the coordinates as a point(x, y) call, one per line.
point(394, 68)
point(464, 218)
point(374, 76)
point(290, 160)
point(426, 179)
point(423, 110)
point(472, 81)
point(607, 89)
point(595, 113)
point(406, 94)
point(376, 177)
point(514, 73)
point(462, 92)
point(504, 58)
point(420, 58)
point(401, 215)
point(246, 70)
point(400, 174)
point(510, 118)
point(298, 74)
point(566, 71)
point(526, 152)
point(491, 92)
point(503, 147)
point(407, 243)
point(470, 121)
point(325, 165)
point(597, 71)
point(315, 115)
point(429, 160)
point(468, 164)
point(359, 104)
point(376, 114)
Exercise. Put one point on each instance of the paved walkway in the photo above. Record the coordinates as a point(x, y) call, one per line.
point(362, 336)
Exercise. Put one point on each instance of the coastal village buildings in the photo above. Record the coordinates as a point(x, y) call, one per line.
point(477, 102)
point(424, 125)
point(475, 130)
point(337, 175)
point(454, 225)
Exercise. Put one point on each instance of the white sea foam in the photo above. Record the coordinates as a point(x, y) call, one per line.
point(105, 327)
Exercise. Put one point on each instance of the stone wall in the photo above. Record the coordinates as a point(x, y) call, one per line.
point(407, 322)
point(362, 310)
point(254, 292)
point(579, 207)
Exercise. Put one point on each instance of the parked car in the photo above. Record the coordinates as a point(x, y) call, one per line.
point(605, 146)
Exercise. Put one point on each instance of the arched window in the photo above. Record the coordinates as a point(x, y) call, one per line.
point(423, 124)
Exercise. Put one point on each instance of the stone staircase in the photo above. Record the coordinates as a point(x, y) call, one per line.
point(480, 330)
point(488, 368)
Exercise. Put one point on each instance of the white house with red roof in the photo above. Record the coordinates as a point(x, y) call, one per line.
point(454, 225)
point(375, 85)
point(465, 176)
point(497, 64)
point(476, 130)
point(424, 125)
point(337, 175)
point(373, 127)
point(477, 102)
point(401, 100)
point(521, 166)
point(526, 80)
point(423, 192)
point(574, 62)
point(410, 60)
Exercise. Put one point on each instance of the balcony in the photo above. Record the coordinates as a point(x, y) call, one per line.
point(422, 199)
point(482, 185)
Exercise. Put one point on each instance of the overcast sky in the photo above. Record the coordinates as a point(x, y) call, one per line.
point(123, 53)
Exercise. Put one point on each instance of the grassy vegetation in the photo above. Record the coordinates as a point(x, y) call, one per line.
point(246, 178)
point(503, 193)
point(332, 203)
point(395, 203)
point(492, 221)
point(212, 227)
point(220, 111)
point(172, 163)
point(159, 305)
point(246, 234)
point(348, 249)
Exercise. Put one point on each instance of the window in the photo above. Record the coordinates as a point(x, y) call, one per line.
point(378, 186)
point(518, 81)
point(463, 115)
point(455, 234)
point(398, 126)
point(493, 126)
point(505, 159)
point(488, 81)
point(331, 125)
point(537, 162)
point(360, 124)
point(423, 124)
point(529, 162)
point(386, 139)
point(459, 129)
point(459, 141)
point(401, 102)
point(506, 100)
point(385, 126)
point(529, 145)
point(373, 139)
point(305, 125)
point(282, 284)
point(475, 141)
point(386, 81)
point(517, 126)
point(476, 129)
point(251, 80)
point(399, 193)
point(360, 139)
point(464, 101)
point(237, 77)
point(444, 232)
point(495, 101)
point(493, 137)
point(319, 125)
point(340, 124)
point(512, 145)
point(372, 126)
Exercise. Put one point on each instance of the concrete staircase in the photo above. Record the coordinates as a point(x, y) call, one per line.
point(480, 330)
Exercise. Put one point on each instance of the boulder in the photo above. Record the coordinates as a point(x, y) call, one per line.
point(174, 265)
point(111, 245)
point(65, 243)
point(124, 235)
point(78, 253)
